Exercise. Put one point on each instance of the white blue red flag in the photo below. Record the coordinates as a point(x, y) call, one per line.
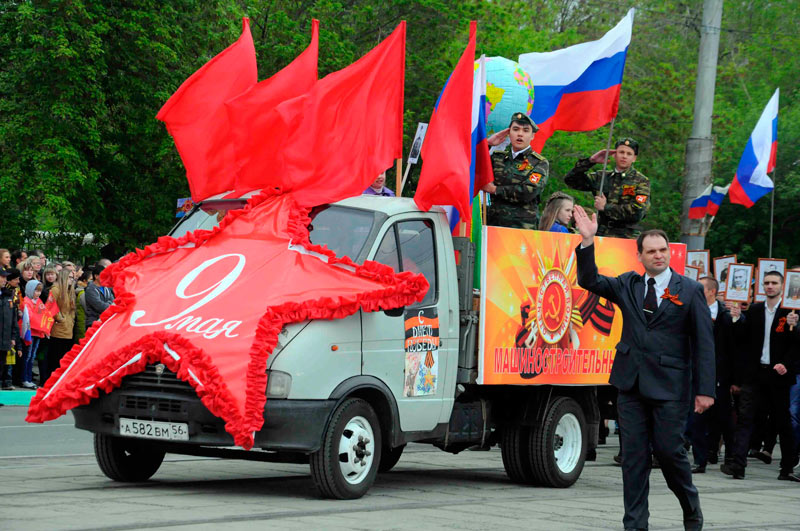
point(708, 202)
point(455, 155)
point(577, 88)
point(751, 182)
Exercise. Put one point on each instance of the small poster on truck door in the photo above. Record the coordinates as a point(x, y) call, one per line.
point(422, 352)
point(538, 326)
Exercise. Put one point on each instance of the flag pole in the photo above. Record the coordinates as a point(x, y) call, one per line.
point(403, 183)
point(772, 212)
point(605, 159)
point(398, 184)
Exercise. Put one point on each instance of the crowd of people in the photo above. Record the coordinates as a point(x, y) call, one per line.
point(47, 306)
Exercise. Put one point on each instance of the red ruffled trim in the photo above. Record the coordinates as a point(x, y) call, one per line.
point(401, 289)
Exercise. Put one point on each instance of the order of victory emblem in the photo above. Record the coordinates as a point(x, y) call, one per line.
point(554, 306)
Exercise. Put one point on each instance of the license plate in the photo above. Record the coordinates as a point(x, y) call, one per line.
point(152, 429)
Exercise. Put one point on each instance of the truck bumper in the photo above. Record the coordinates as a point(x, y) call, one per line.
point(289, 425)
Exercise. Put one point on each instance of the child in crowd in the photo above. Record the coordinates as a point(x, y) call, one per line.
point(41, 321)
point(49, 277)
point(557, 213)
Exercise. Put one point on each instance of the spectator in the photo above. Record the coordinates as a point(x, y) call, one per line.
point(557, 213)
point(763, 376)
point(98, 297)
point(27, 273)
point(80, 305)
point(48, 279)
point(35, 307)
point(5, 260)
point(37, 266)
point(376, 188)
point(61, 335)
point(41, 256)
point(17, 257)
point(9, 330)
point(717, 420)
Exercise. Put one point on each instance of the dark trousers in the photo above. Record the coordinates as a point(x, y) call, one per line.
point(656, 424)
point(708, 426)
point(770, 393)
point(56, 350)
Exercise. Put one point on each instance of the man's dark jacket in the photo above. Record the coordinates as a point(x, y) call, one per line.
point(725, 345)
point(783, 345)
point(664, 355)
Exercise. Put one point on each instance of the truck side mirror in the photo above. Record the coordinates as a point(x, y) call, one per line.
point(395, 312)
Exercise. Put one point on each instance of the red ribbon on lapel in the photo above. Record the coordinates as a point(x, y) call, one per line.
point(671, 298)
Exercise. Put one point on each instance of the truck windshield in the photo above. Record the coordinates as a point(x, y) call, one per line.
point(343, 230)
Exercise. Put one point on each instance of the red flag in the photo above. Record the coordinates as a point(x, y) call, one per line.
point(249, 112)
point(196, 118)
point(332, 142)
point(446, 153)
point(188, 303)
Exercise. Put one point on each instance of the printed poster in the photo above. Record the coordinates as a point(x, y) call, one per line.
point(422, 352)
point(537, 325)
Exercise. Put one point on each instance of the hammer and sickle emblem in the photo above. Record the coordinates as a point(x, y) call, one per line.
point(555, 308)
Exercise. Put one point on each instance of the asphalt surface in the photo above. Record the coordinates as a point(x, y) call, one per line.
point(50, 480)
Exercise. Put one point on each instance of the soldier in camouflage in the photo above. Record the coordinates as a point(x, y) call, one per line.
point(520, 175)
point(625, 198)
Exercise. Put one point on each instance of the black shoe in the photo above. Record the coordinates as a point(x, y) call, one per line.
point(699, 469)
point(618, 459)
point(732, 470)
point(789, 477)
point(764, 457)
point(656, 464)
point(693, 524)
point(713, 458)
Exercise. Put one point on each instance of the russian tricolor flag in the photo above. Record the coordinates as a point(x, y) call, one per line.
point(455, 155)
point(708, 202)
point(751, 181)
point(577, 88)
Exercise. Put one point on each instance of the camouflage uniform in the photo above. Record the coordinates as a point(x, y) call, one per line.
point(627, 194)
point(519, 182)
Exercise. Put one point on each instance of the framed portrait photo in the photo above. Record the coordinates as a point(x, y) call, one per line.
point(721, 264)
point(692, 272)
point(765, 265)
point(791, 291)
point(699, 259)
point(737, 288)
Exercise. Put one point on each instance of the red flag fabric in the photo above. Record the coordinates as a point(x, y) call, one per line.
point(41, 315)
point(188, 303)
point(447, 150)
point(332, 142)
point(196, 118)
point(248, 113)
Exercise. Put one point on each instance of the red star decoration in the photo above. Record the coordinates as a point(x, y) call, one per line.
point(210, 306)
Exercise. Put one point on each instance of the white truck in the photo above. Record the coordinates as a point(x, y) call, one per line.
point(341, 394)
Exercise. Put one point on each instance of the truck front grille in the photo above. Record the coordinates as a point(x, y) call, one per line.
point(151, 380)
point(143, 405)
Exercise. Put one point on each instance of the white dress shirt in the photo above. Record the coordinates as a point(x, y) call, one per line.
point(662, 282)
point(515, 153)
point(713, 308)
point(769, 316)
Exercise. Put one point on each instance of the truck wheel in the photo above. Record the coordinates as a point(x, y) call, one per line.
point(516, 456)
point(347, 463)
point(390, 457)
point(127, 460)
point(558, 444)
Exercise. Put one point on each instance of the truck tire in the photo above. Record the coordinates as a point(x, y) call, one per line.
point(126, 460)
point(514, 446)
point(390, 457)
point(558, 444)
point(346, 464)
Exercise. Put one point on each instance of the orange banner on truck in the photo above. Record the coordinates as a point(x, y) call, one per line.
point(538, 326)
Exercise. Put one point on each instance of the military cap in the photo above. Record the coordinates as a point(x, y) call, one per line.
point(631, 143)
point(523, 118)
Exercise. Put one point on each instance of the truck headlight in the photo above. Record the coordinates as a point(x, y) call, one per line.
point(278, 384)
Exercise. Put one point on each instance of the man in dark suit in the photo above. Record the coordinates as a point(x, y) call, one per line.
point(717, 420)
point(667, 344)
point(763, 375)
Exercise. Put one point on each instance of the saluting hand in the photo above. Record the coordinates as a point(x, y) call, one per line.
point(497, 138)
point(600, 156)
point(586, 227)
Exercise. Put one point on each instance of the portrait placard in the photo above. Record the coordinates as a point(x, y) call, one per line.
point(692, 272)
point(740, 276)
point(699, 259)
point(765, 265)
point(721, 264)
point(791, 291)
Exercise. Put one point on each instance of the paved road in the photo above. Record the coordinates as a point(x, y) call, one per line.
point(428, 489)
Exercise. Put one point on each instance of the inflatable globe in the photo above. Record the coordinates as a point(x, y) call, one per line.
point(509, 89)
